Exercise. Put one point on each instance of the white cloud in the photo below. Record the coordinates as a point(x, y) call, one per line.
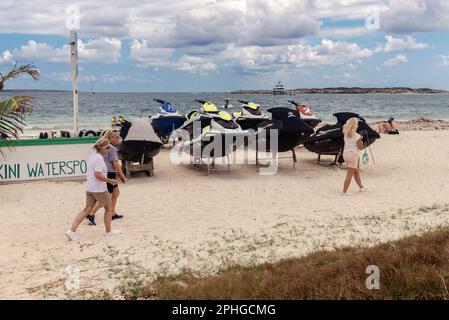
point(199, 35)
point(100, 50)
point(209, 28)
point(347, 32)
point(150, 56)
point(162, 57)
point(103, 50)
point(275, 20)
point(444, 61)
point(407, 16)
point(6, 57)
point(35, 51)
point(270, 23)
point(67, 77)
point(401, 44)
point(346, 9)
point(58, 76)
point(290, 58)
point(400, 58)
point(196, 65)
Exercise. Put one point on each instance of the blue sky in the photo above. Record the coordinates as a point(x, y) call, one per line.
point(213, 45)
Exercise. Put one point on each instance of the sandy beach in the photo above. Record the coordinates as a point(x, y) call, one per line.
point(182, 219)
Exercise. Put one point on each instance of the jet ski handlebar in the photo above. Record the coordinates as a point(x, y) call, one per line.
point(294, 103)
point(160, 101)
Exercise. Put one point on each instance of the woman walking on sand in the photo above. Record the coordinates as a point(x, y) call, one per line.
point(353, 143)
point(97, 191)
point(114, 169)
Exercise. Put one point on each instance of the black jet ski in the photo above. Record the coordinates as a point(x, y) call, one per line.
point(166, 120)
point(250, 115)
point(292, 130)
point(328, 140)
point(139, 141)
point(306, 114)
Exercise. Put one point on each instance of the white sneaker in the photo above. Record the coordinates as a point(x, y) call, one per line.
point(363, 189)
point(345, 193)
point(113, 233)
point(71, 235)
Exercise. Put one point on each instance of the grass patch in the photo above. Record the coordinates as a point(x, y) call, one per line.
point(415, 267)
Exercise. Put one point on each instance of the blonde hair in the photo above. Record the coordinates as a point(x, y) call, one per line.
point(101, 144)
point(107, 134)
point(350, 127)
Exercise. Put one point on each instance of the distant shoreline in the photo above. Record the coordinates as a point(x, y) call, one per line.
point(330, 90)
point(346, 90)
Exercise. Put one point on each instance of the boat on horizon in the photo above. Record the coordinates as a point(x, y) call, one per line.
point(279, 89)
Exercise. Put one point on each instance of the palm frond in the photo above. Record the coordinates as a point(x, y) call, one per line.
point(12, 113)
point(16, 71)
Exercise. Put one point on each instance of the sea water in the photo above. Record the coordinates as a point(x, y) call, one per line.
point(53, 110)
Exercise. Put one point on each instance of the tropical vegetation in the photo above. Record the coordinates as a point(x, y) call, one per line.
point(13, 109)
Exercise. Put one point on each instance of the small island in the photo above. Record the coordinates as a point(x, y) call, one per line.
point(345, 90)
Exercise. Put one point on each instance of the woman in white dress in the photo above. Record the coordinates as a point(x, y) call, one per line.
point(353, 143)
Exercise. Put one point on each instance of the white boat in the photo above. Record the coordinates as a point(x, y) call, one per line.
point(279, 89)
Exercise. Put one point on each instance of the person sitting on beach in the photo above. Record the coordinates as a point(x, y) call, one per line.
point(114, 168)
point(304, 110)
point(388, 127)
point(97, 191)
point(353, 143)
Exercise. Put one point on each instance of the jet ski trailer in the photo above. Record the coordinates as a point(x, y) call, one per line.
point(328, 140)
point(166, 120)
point(139, 144)
point(291, 132)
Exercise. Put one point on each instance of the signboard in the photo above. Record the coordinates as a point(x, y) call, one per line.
point(36, 159)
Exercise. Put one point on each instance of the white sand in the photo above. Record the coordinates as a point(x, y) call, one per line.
point(183, 219)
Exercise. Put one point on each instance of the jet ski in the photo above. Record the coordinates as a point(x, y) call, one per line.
point(328, 140)
point(250, 115)
point(218, 139)
point(139, 141)
point(117, 121)
point(166, 120)
point(203, 116)
point(292, 130)
point(306, 114)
